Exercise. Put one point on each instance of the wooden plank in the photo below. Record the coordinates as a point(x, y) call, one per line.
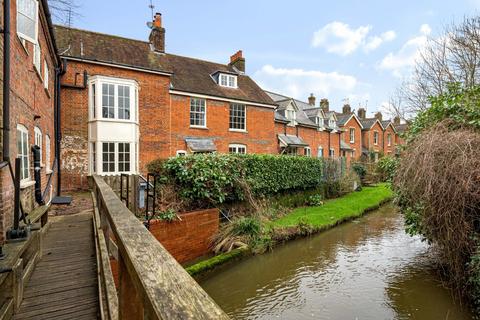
point(163, 285)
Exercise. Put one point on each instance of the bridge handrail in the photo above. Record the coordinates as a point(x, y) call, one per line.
point(151, 283)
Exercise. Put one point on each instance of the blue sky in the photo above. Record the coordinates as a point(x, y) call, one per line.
point(360, 50)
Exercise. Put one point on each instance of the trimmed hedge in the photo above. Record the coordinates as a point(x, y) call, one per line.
point(218, 178)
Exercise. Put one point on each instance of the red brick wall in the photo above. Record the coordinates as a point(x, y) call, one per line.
point(28, 98)
point(154, 116)
point(367, 138)
point(357, 145)
point(389, 150)
point(258, 138)
point(189, 238)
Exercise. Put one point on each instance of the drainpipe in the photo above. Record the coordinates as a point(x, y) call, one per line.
point(6, 81)
point(37, 176)
point(57, 118)
point(329, 146)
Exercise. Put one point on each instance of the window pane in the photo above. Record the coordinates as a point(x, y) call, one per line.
point(93, 102)
point(26, 18)
point(108, 95)
point(124, 157)
point(237, 116)
point(197, 112)
point(124, 102)
point(108, 157)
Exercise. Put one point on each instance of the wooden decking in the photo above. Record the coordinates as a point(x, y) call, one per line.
point(64, 282)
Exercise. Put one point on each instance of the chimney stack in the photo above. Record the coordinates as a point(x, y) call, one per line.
point(325, 105)
point(157, 35)
point(396, 120)
point(362, 113)
point(311, 100)
point(378, 115)
point(238, 61)
point(346, 109)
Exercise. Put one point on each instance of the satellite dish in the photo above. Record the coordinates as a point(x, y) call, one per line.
point(150, 24)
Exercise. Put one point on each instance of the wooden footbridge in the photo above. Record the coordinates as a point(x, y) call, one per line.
point(102, 264)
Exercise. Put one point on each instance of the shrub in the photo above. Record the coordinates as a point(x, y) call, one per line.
point(387, 166)
point(168, 215)
point(359, 169)
point(212, 179)
point(315, 200)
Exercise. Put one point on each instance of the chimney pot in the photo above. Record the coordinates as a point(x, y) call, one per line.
point(346, 109)
point(311, 99)
point(379, 116)
point(396, 120)
point(238, 61)
point(157, 35)
point(325, 105)
point(362, 113)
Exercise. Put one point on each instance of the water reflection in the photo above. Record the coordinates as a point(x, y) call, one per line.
point(366, 269)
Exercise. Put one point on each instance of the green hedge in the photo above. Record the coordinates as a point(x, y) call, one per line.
point(218, 178)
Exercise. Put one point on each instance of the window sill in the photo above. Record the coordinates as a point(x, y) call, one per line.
point(238, 130)
point(23, 44)
point(49, 171)
point(198, 127)
point(27, 183)
point(38, 73)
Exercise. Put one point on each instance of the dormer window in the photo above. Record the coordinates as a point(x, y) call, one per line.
point(227, 80)
point(318, 121)
point(331, 123)
point(291, 115)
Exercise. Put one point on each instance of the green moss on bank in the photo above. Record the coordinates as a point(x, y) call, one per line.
point(334, 211)
point(218, 260)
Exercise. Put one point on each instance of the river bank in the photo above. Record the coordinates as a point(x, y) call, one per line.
point(367, 268)
point(306, 221)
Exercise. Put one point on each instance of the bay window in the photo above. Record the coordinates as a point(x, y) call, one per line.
point(113, 129)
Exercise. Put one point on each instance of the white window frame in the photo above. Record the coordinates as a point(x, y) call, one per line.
point(352, 135)
point(37, 58)
point(48, 166)
point(95, 102)
point(96, 157)
point(25, 158)
point(38, 141)
point(204, 113)
point(375, 137)
point(234, 148)
point(389, 139)
point(232, 105)
point(181, 153)
point(34, 19)
point(93, 157)
point(331, 123)
point(45, 74)
point(331, 153)
point(320, 152)
point(227, 80)
point(291, 116)
point(307, 151)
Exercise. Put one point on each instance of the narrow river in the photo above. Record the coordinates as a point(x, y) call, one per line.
point(365, 269)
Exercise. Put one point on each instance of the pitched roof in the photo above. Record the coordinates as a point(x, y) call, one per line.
point(368, 123)
point(187, 74)
point(401, 128)
point(305, 111)
point(291, 140)
point(344, 145)
point(342, 118)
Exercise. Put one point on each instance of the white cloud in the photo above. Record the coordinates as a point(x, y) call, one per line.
point(401, 62)
point(338, 37)
point(376, 41)
point(300, 83)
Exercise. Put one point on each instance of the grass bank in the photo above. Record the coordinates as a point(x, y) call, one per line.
point(307, 220)
point(337, 210)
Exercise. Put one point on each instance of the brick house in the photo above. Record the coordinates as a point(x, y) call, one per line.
point(303, 128)
point(351, 144)
point(127, 102)
point(389, 138)
point(372, 136)
point(30, 97)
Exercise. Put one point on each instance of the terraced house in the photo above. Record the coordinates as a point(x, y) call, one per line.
point(127, 102)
